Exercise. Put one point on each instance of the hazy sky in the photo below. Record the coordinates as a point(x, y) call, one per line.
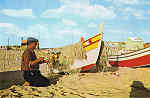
point(61, 22)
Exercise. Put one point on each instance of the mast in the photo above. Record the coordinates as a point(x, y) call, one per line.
point(101, 29)
point(98, 66)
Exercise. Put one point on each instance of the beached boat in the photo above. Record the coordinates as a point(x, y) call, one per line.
point(92, 47)
point(134, 59)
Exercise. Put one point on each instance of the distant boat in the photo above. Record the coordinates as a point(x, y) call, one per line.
point(134, 59)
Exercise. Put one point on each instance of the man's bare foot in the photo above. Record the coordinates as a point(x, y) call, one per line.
point(26, 84)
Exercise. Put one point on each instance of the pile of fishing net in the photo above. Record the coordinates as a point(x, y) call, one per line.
point(62, 58)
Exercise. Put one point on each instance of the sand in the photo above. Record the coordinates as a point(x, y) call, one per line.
point(128, 83)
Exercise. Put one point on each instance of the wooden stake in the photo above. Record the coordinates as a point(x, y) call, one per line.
point(101, 27)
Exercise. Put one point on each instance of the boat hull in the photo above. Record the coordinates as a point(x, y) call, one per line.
point(135, 59)
point(92, 47)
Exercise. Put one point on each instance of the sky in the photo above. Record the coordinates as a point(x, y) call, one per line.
point(62, 22)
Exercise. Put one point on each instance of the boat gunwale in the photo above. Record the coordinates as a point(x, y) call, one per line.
point(134, 53)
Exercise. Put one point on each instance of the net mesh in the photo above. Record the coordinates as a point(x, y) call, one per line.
point(63, 58)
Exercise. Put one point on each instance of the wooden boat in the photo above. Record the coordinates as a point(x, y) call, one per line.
point(134, 59)
point(92, 47)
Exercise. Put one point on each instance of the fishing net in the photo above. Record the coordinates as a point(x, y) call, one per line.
point(63, 58)
point(10, 59)
point(71, 52)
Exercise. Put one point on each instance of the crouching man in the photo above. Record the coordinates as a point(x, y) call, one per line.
point(30, 66)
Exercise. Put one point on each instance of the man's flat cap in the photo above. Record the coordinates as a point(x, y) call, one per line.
point(31, 40)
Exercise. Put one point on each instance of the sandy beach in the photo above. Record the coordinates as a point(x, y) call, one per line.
point(127, 83)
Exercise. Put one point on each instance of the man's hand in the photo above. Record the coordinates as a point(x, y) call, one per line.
point(41, 58)
point(46, 61)
point(43, 61)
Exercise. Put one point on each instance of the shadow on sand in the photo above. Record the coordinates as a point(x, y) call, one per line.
point(9, 78)
point(139, 91)
point(101, 69)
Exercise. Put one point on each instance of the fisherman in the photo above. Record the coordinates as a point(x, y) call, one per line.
point(30, 65)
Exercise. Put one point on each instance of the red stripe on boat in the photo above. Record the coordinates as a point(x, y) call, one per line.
point(140, 61)
point(87, 67)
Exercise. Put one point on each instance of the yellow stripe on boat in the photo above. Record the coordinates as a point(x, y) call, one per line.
point(92, 40)
point(85, 44)
point(96, 38)
point(92, 46)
